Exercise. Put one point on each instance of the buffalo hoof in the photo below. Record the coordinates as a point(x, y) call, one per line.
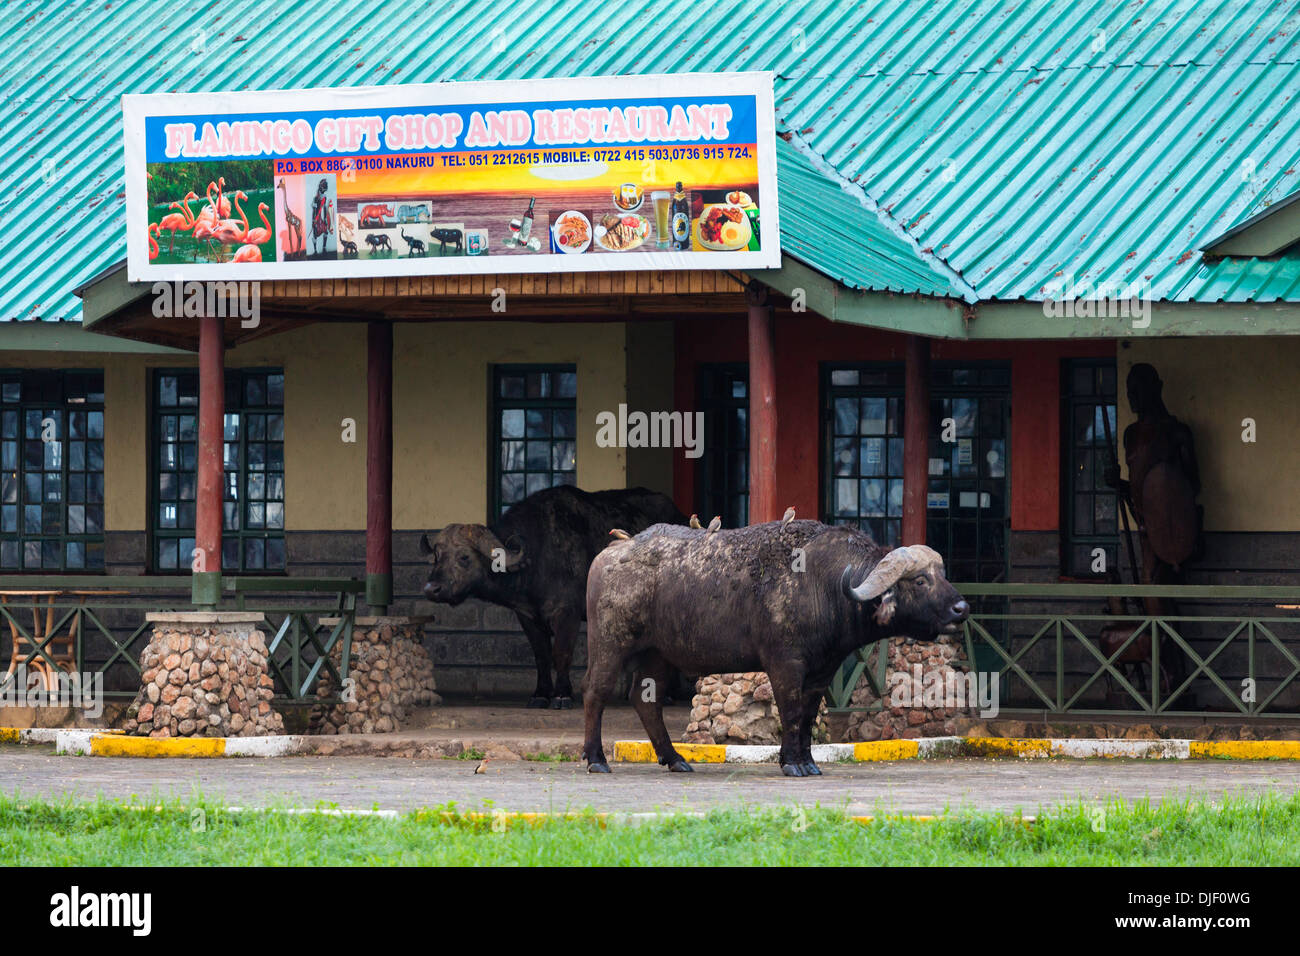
point(561, 703)
point(810, 769)
point(598, 767)
point(792, 770)
point(539, 703)
point(681, 766)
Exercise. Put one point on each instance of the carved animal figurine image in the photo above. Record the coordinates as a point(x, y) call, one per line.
point(414, 247)
point(534, 561)
point(449, 236)
point(378, 242)
point(374, 216)
point(349, 248)
point(731, 601)
point(293, 222)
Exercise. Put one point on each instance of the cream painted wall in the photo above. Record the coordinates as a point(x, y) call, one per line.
point(324, 383)
point(440, 415)
point(440, 409)
point(1212, 384)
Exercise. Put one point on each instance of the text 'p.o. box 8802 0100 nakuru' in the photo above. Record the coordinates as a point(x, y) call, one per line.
point(583, 174)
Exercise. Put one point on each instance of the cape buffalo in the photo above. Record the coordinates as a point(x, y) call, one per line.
point(534, 561)
point(778, 597)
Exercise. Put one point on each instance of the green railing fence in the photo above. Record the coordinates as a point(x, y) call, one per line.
point(55, 619)
point(1226, 651)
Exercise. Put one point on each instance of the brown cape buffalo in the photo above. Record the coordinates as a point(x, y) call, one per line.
point(534, 561)
point(782, 599)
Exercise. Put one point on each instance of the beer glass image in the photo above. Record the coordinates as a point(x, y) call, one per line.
point(662, 201)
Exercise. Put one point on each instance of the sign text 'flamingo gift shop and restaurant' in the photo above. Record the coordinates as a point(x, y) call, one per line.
point(565, 175)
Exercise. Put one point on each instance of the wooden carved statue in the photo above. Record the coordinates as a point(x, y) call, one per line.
point(1163, 482)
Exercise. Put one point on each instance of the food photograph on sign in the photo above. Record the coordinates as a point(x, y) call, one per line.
point(256, 180)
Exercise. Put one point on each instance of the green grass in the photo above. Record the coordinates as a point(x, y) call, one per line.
point(1241, 831)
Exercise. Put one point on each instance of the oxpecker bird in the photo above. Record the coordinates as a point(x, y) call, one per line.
point(619, 533)
point(695, 522)
point(787, 517)
point(715, 524)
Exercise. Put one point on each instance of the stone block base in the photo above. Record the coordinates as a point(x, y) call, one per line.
point(942, 664)
point(390, 671)
point(204, 675)
point(740, 709)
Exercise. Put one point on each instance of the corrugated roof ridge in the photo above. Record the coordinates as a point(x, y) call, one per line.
point(953, 277)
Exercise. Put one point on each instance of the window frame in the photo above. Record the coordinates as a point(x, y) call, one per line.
point(27, 378)
point(497, 403)
point(1069, 402)
point(154, 470)
point(706, 490)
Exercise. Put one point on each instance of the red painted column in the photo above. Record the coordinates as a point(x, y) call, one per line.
point(379, 466)
point(762, 407)
point(916, 438)
point(206, 582)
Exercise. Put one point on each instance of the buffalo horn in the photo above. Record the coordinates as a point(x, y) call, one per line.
point(899, 563)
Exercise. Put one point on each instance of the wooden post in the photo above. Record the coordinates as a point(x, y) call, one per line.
point(762, 407)
point(379, 466)
point(205, 583)
point(916, 439)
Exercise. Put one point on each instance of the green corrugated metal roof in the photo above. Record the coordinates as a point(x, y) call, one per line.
point(1001, 143)
point(831, 226)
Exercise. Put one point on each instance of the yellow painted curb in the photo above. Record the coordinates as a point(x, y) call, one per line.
point(642, 751)
point(1007, 747)
point(886, 750)
point(1244, 749)
point(150, 747)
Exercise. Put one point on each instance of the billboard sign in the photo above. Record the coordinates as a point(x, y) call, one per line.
point(556, 175)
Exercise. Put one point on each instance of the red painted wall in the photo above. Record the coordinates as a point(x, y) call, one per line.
point(804, 341)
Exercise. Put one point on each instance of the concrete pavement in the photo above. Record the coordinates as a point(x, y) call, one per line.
point(917, 786)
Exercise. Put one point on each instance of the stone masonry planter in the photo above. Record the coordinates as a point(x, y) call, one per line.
point(739, 709)
point(204, 675)
point(391, 672)
point(942, 663)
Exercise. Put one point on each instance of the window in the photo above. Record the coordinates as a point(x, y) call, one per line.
point(52, 459)
point(535, 427)
point(723, 470)
point(864, 437)
point(253, 500)
point(967, 491)
point(1090, 519)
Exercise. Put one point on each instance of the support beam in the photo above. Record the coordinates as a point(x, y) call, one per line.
point(762, 407)
point(916, 439)
point(205, 585)
point(379, 466)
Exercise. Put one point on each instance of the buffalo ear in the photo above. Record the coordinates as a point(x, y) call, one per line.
point(425, 547)
point(515, 557)
point(884, 614)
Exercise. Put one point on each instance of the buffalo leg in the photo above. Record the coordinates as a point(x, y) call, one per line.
point(564, 626)
point(649, 684)
point(787, 688)
point(540, 640)
point(600, 683)
point(812, 700)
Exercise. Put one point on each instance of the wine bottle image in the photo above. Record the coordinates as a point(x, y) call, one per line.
point(526, 223)
point(681, 220)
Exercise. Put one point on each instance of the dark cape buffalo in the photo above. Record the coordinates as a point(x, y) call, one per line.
point(534, 561)
point(793, 600)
